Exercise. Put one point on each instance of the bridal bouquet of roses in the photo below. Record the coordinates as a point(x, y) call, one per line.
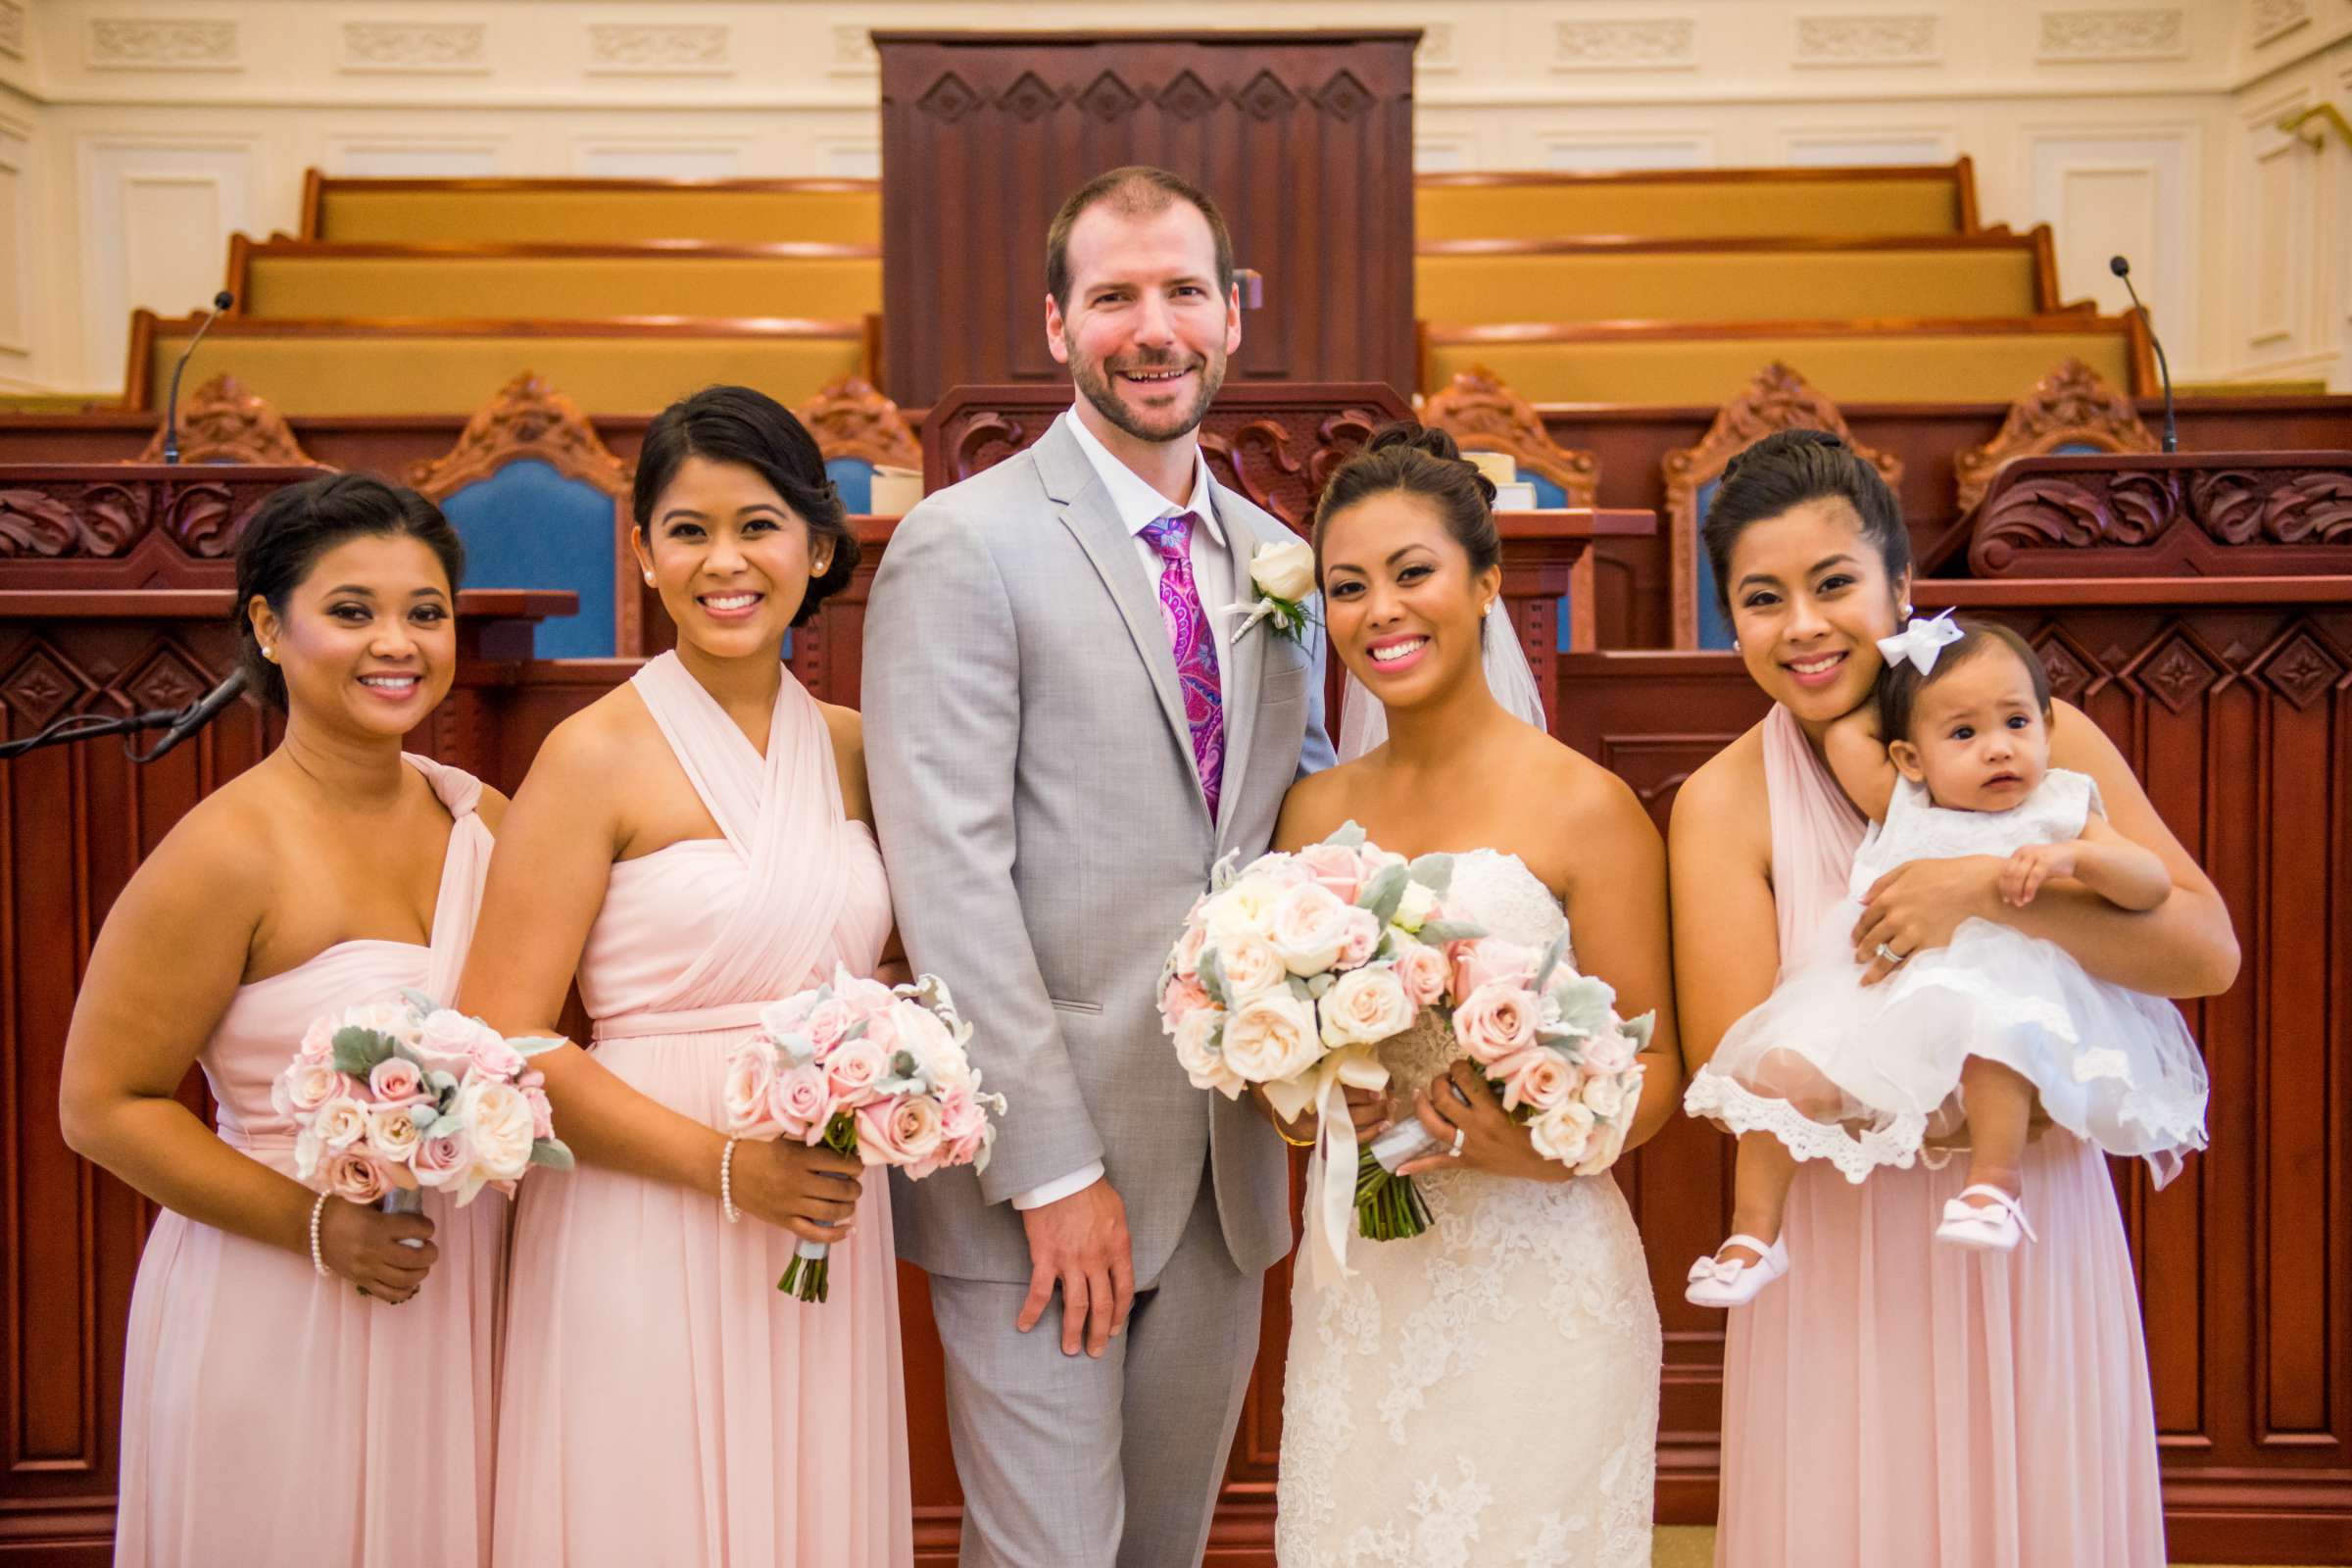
point(1288, 972)
point(866, 1069)
point(390, 1099)
point(1551, 1046)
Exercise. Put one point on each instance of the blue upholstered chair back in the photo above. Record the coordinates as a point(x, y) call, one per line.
point(853, 477)
point(530, 526)
point(1714, 627)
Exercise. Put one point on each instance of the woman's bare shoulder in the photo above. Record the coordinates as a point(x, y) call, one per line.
point(605, 737)
point(1318, 803)
point(1723, 808)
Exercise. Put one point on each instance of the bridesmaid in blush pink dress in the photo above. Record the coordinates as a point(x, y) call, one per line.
point(1891, 1401)
point(298, 1388)
point(694, 842)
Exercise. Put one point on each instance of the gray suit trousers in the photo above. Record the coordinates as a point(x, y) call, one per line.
point(1070, 1462)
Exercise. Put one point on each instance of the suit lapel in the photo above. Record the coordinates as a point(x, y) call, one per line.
point(1247, 655)
point(1086, 509)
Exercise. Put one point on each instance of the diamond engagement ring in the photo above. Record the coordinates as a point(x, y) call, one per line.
point(1889, 955)
point(1459, 1136)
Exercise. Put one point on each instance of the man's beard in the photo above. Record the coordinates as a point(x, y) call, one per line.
point(1094, 384)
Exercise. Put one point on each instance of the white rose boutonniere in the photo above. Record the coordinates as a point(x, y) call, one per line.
point(1281, 576)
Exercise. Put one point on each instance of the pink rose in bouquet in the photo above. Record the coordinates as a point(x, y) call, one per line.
point(390, 1098)
point(866, 1070)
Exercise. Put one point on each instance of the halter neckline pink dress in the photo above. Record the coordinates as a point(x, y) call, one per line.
point(271, 1417)
point(665, 1402)
point(1896, 1402)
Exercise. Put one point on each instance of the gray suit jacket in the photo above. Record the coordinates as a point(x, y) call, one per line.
point(1043, 822)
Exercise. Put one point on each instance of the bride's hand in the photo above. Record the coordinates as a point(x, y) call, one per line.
point(1459, 1099)
point(1919, 904)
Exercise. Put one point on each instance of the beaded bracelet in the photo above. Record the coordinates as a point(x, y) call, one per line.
point(726, 1181)
point(318, 1263)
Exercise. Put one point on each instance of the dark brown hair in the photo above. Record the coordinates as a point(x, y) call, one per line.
point(1137, 190)
point(290, 530)
point(1782, 472)
point(1418, 461)
point(736, 424)
point(1900, 682)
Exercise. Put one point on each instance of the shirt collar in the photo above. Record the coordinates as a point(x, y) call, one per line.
point(1139, 504)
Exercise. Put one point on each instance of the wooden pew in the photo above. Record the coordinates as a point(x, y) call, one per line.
point(1690, 203)
point(590, 212)
point(1698, 362)
point(288, 279)
point(406, 366)
point(1991, 274)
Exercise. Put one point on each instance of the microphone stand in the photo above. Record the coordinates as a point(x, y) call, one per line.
point(220, 302)
point(89, 727)
point(2122, 270)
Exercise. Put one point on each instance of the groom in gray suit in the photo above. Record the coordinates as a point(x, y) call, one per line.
point(1063, 733)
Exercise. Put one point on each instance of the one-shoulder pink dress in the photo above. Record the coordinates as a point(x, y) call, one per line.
point(271, 1417)
point(664, 1403)
point(1893, 1401)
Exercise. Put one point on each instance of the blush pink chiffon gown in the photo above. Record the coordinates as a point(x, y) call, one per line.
point(664, 1403)
point(1895, 1401)
point(271, 1417)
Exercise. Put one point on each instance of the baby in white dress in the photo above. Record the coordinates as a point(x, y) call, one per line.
point(1967, 1045)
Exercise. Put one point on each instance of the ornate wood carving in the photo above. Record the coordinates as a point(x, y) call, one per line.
point(2072, 406)
point(222, 423)
point(851, 420)
point(1484, 414)
point(1778, 399)
point(527, 418)
point(118, 525)
point(1275, 443)
point(983, 136)
point(2152, 514)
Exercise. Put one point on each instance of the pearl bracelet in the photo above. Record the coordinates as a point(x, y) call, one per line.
point(726, 1181)
point(318, 1263)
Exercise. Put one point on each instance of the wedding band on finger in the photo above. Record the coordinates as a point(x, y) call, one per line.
point(1889, 955)
point(1460, 1135)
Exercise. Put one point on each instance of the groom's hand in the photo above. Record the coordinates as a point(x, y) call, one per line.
point(1081, 1243)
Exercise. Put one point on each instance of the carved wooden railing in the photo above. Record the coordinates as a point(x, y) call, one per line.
point(2153, 514)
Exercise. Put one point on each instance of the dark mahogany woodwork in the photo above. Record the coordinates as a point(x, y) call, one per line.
point(2148, 513)
point(1304, 140)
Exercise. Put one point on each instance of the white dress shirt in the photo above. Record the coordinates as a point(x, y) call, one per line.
point(1139, 505)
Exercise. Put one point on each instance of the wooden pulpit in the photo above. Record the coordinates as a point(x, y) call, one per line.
point(1304, 140)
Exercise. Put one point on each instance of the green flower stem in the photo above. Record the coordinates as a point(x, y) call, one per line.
point(809, 1277)
point(1387, 1206)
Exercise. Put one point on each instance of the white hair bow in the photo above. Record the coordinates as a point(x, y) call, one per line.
point(1922, 641)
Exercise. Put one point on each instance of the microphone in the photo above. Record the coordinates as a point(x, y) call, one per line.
point(2122, 270)
point(196, 715)
point(220, 302)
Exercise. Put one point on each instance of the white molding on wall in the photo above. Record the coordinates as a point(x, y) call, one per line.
point(391, 155)
point(1836, 146)
point(2132, 190)
point(848, 156)
point(605, 156)
point(1914, 39)
point(419, 48)
point(170, 276)
point(661, 49)
point(854, 53)
point(1643, 43)
point(1438, 50)
point(148, 43)
point(2111, 36)
point(2274, 20)
point(1580, 150)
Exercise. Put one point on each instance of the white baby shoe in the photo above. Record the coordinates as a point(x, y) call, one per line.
point(1718, 1281)
point(1992, 1227)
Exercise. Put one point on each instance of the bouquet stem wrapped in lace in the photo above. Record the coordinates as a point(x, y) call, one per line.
point(864, 1069)
point(390, 1099)
point(1290, 972)
point(1553, 1050)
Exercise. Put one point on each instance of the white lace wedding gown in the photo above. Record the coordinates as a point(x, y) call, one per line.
point(1485, 1394)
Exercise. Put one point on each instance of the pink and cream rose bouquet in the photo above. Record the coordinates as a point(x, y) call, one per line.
point(867, 1069)
point(1288, 974)
point(1553, 1048)
point(392, 1100)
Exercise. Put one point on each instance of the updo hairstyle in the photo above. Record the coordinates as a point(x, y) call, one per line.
point(1782, 472)
point(1416, 460)
point(290, 530)
point(1900, 682)
point(736, 424)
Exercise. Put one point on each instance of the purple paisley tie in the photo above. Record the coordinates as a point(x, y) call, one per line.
point(1195, 646)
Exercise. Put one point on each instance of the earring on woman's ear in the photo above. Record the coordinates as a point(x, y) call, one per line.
point(270, 653)
point(648, 580)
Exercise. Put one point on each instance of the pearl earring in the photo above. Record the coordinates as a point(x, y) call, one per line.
point(648, 580)
point(269, 653)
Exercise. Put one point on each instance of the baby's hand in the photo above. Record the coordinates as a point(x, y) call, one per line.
point(2036, 864)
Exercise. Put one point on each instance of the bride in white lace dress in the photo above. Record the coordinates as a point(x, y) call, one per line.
point(1486, 1393)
